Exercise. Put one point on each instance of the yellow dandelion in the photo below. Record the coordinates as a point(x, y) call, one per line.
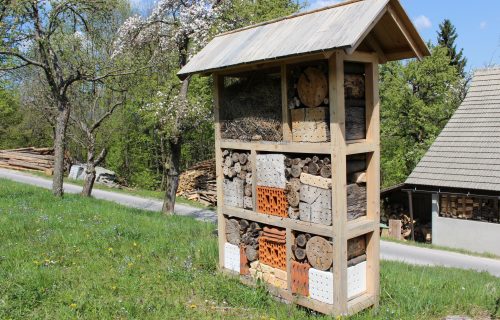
point(110, 249)
point(73, 305)
point(193, 306)
point(130, 264)
point(135, 244)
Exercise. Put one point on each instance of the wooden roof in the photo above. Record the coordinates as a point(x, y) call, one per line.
point(380, 26)
point(467, 152)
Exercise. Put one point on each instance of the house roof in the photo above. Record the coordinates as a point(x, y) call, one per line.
point(341, 26)
point(467, 152)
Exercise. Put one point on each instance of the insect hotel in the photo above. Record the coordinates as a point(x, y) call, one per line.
point(297, 149)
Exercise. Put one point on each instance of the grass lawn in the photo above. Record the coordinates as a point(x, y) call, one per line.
point(85, 258)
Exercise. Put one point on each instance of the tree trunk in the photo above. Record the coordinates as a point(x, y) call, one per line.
point(172, 171)
point(89, 180)
point(59, 149)
point(89, 172)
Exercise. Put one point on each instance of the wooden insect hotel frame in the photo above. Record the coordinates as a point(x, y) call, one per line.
point(297, 149)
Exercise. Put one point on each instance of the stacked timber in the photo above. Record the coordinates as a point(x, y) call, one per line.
point(198, 183)
point(30, 158)
point(245, 234)
point(237, 170)
point(355, 105)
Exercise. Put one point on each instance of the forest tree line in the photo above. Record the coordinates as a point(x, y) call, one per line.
point(98, 81)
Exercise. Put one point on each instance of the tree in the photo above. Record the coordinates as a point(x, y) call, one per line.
point(92, 107)
point(179, 29)
point(417, 100)
point(55, 38)
point(447, 35)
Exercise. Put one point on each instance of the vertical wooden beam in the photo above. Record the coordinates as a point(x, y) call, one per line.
point(285, 117)
point(410, 206)
point(339, 193)
point(373, 177)
point(218, 86)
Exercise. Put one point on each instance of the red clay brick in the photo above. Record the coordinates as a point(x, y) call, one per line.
point(272, 201)
point(300, 278)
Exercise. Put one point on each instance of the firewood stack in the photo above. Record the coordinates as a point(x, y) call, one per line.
point(198, 183)
point(245, 234)
point(28, 159)
point(356, 187)
point(237, 170)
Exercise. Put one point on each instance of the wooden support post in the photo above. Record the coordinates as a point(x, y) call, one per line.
point(289, 257)
point(339, 193)
point(373, 177)
point(410, 207)
point(218, 86)
point(285, 117)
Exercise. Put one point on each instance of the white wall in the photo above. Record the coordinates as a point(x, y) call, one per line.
point(464, 234)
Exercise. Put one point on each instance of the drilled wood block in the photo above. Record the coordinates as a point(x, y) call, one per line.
point(272, 253)
point(315, 205)
point(248, 202)
point(310, 125)
point(272, 201)
point(356, 280)
point(321, 285)
point(271, 170)
point(234, 191)
point(300, 278)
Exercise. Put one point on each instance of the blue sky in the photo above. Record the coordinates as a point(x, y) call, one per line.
point(477, 23)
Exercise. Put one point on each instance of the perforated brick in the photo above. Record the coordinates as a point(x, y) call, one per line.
point(272, 252)
point(356, 280)
point(244, 267)
point(272, 201)
point(321, 285)
point(232, 257)
point(300, 278)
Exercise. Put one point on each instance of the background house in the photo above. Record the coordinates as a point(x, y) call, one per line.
point(461, 171)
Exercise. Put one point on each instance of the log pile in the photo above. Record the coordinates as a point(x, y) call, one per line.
point(245, 234)
point(398, 212)
point(28, 159)
point(237, 170)
point(199, 183)
point(318, 251)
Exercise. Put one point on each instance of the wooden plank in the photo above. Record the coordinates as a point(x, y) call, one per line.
point(360, 303)
point(360, 147)
point(285, 117)
point(360, 56)
point(316, 181)
point(361, 226)
point(374, 44)
point(286, 147)
point(339, 195)
point(253, 161)
point(221, 226)
point(280, 222)
point(405, 32)
point(367, 31)
point(373, 178)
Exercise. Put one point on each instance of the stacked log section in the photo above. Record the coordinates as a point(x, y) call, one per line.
point(199, 183)
point(237, 170)
point(272, 247)
point(356, 187)
point(356, 250)
point(28, 159)
point(245, 234)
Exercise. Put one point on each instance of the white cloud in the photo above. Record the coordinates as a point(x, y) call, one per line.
point(315, 4)
point(483, 25)
point(422, 22)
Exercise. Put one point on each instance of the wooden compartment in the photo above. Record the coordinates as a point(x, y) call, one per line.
point(237, 183)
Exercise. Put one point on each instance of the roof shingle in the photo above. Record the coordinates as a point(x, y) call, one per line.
point(467, 152)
